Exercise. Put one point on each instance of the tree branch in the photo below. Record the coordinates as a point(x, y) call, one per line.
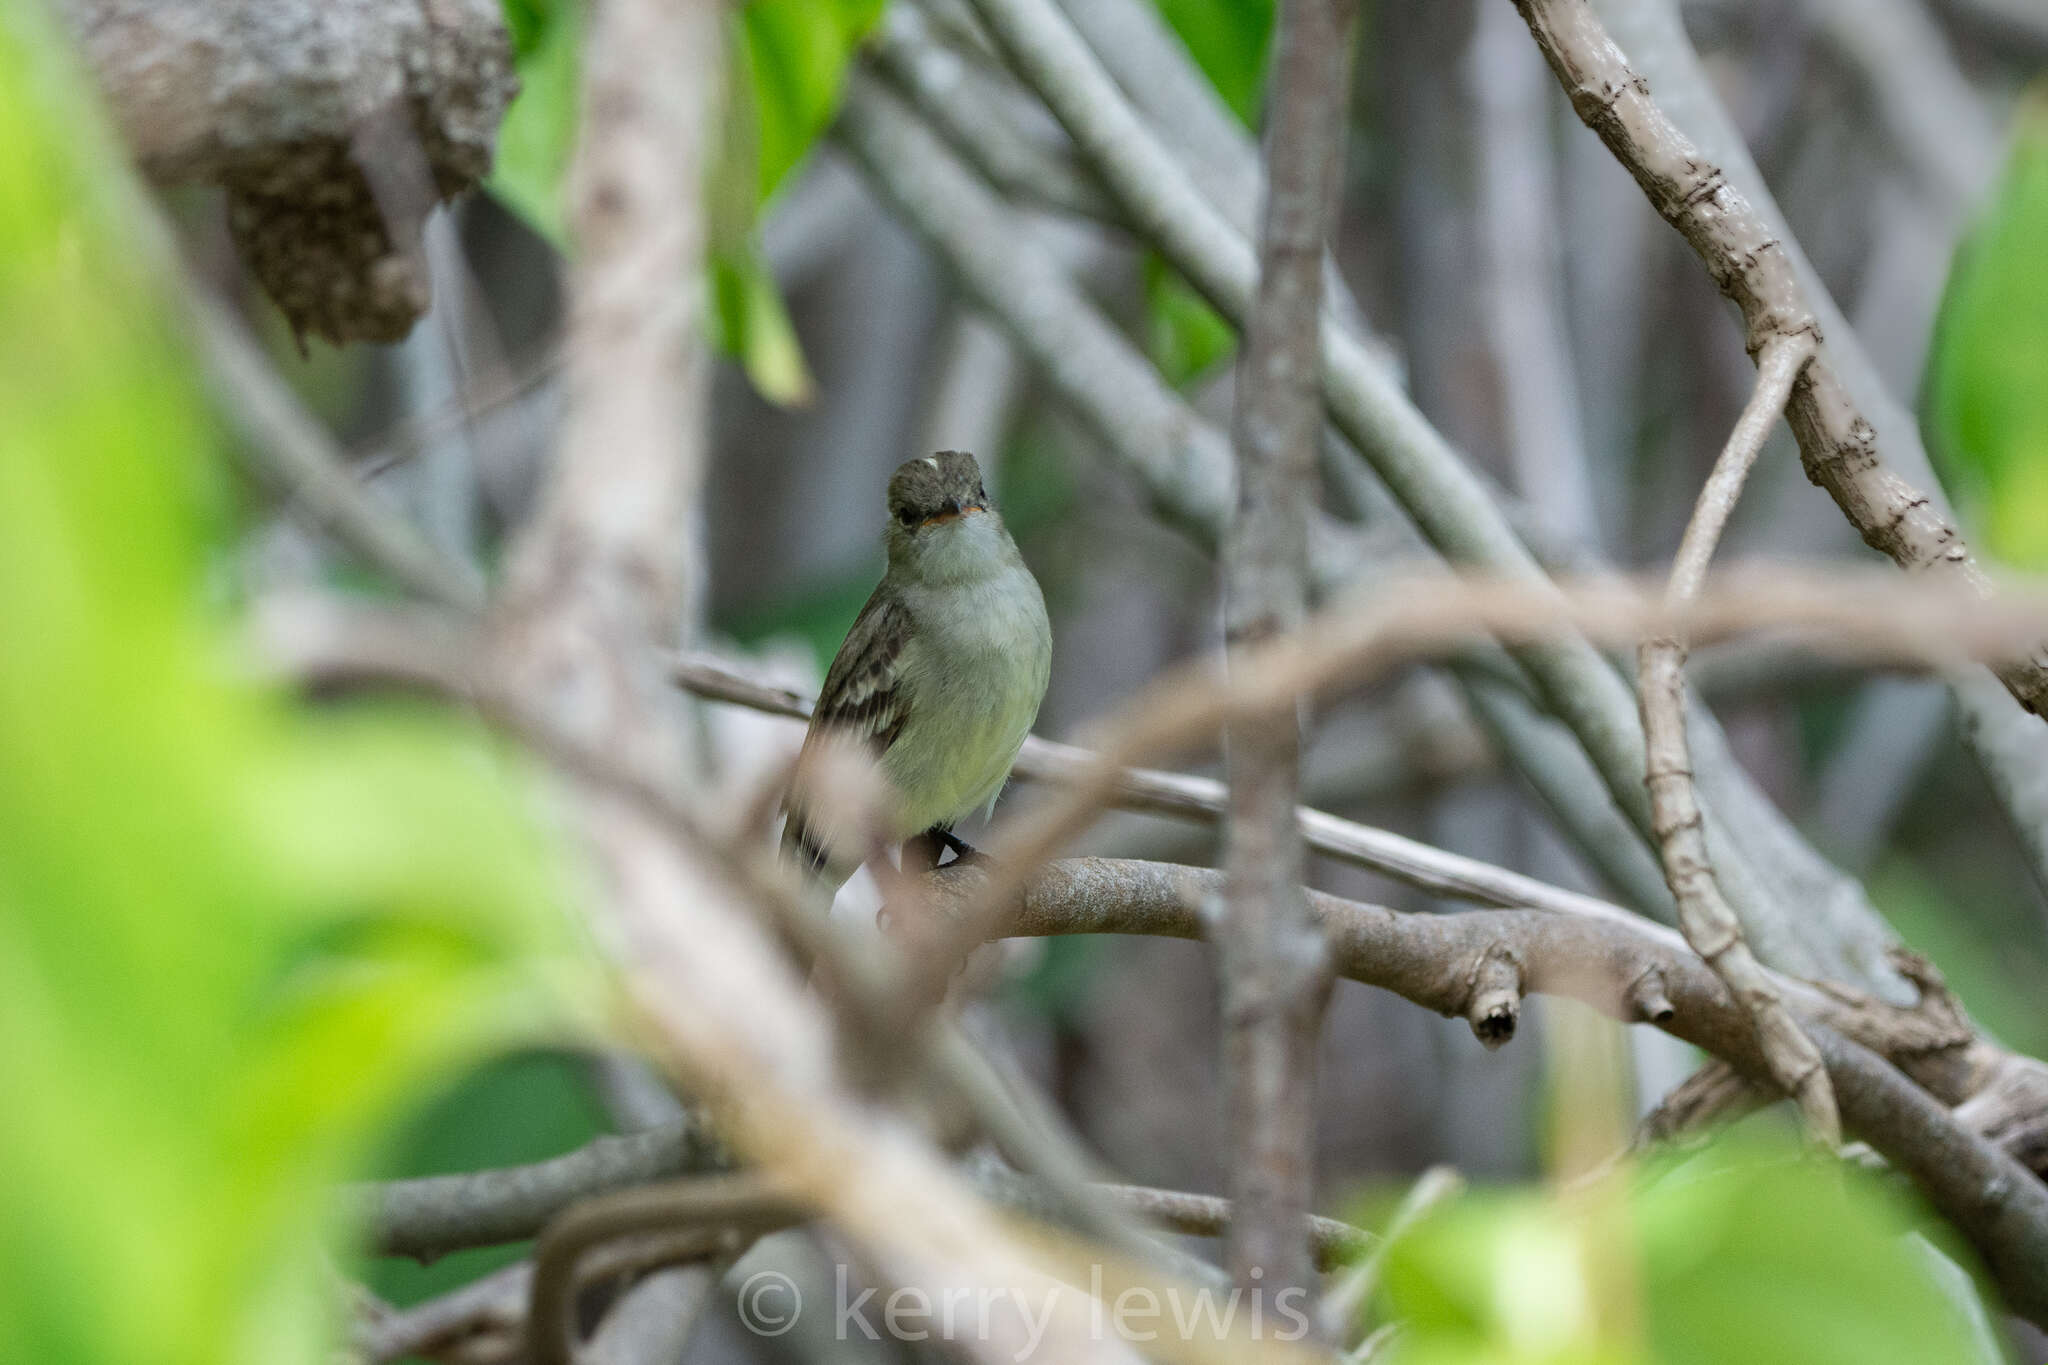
point(297, 456)
point(1274, 968)
point(1447, 501)
point(432, 1215)
point(2007, 744)
point(1434, 961)
point(1710, 926)
point(1837, 443)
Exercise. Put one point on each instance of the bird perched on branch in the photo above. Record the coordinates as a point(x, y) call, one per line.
point(940, 677)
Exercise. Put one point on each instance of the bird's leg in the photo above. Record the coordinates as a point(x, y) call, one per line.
point(922, 851)
point(945, 841)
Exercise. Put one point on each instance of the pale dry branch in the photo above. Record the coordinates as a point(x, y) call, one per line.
point(980, 115)
point(1704, 915)
point(1274, 967)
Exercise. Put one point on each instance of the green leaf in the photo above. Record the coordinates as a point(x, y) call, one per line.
point(1987, 400)
point(792, 59)
point(1184, 336)
point(755, 327)
point(236, 936)
point(1746, 1253)
point(539, 130)
point(1228, 39)
point(786, 68)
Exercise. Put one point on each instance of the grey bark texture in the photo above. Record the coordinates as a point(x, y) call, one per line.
point(1274, 966)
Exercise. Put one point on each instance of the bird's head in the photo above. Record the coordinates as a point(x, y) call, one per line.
point(941, 521)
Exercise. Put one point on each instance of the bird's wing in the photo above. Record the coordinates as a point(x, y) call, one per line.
point(863, 698)
point(864, 695)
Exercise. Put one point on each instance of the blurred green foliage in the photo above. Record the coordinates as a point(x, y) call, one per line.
point(1228, 40)
point(787, 62)
point(1987, 396)
point(1184, 336)
point(236, 935)
point(1744, 1253)
point(512, 1110)
point(1999, 971)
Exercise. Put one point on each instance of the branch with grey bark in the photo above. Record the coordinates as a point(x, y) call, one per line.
point(1273, 970)
point(1479, 966)
point(2010, 746)
point(1704, 916)
point(1766, 866)
point(1837, 442)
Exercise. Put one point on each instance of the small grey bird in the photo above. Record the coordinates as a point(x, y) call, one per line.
point(943, 670)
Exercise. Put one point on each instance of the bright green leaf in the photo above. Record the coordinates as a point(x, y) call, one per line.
point(539, 130)
point(1987, 403)
point(235, 936)
point(793, 57)
point(1744, 1253)
point(755, 327)
point(1228, 40)
point(1183, 334)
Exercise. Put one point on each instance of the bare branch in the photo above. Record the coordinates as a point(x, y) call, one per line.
point(1447, 501)
point(1274, 967)
point(432, 1215)
point(1997, 1204)
point(1183, 462)
point(1350, 643)
point(1708, 922)
point(979, 113)
point(1837, 443)
point(729, 1211)
point(1941, 127)
point(2007, 744)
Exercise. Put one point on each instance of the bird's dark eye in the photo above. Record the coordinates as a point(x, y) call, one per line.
point(980, 493)
point(906, 516)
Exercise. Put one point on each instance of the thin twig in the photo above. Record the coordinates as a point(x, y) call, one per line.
point(298, 456)
point(1447, 501)
point(727, 1212)
point(1431, 959)
point(1706, 919)
point(1350, 643)
point(1837, 442)
point(429, 1216)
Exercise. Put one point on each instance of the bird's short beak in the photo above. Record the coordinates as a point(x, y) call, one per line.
point(954, 510)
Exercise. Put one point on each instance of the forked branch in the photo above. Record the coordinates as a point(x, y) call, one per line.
point(1837, 442)
point(1704, 915)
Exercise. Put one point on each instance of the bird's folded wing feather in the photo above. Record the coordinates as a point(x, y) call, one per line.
point(864, 696)
point(863, 699)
